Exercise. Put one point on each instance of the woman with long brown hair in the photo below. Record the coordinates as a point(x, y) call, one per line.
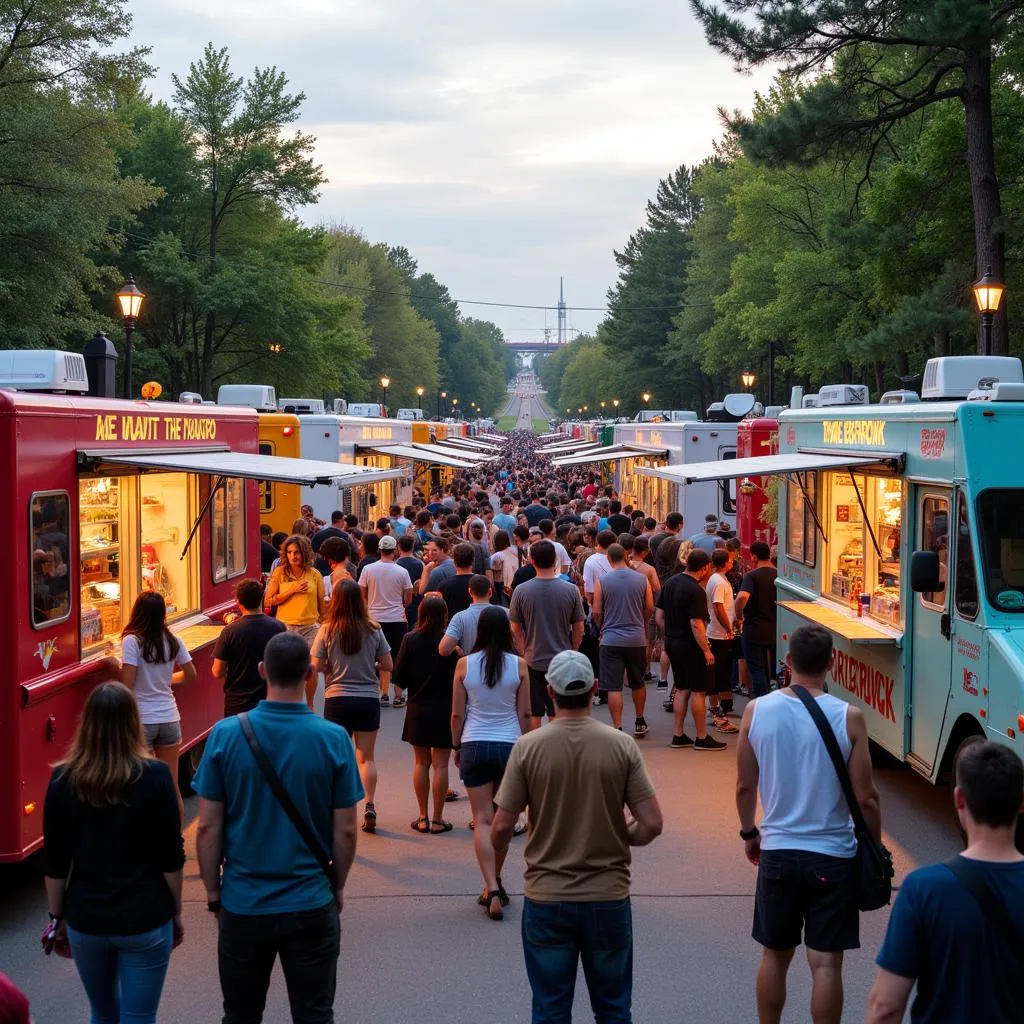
point(153, 660)
point(426, 676)
point(296, 590)
point(350, 649)
point(111, 812)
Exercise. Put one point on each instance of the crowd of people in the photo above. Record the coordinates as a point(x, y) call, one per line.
point(497, 612)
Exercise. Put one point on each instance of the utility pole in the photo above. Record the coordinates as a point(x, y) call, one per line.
point(561, 311)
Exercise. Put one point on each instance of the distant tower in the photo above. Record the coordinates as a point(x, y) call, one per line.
point(561, 311)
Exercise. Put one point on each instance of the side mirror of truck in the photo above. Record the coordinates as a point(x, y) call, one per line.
point(924, 572)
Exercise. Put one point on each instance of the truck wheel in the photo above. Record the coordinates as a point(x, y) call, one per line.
point(188, 765)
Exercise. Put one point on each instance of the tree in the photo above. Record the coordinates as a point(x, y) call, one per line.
point(246, 162)
point(943, 52)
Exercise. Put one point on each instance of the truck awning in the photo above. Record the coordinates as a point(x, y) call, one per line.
point(471, 444)
point(427, 453)
point(226, 463)
point(567, 447)
point(772, 465)
point(610, 453)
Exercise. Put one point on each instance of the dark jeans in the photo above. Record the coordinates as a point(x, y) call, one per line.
point(760, 659)
point(307, 942)
point(556, 936)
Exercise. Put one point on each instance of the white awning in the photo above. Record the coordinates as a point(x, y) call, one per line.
point(426, 453)
point(493, 437)
point(469, 443)
point(565, 447)
point(276, 468)
point(611, 453)
point(770, 465)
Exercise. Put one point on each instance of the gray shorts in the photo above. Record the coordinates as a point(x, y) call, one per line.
point(162, 734)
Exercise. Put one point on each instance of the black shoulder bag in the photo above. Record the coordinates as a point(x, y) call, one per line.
point(287, 805)
point(991, 906)
point(874, 862)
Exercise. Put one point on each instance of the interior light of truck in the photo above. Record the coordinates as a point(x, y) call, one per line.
point(30, 808)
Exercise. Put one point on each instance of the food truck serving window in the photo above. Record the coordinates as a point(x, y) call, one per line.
point(51, 561)
point(860, 512)
point(131, 532)
point(1001, 521)
point(228, 512)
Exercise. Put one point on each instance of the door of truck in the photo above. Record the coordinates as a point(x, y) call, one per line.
point(929, 620)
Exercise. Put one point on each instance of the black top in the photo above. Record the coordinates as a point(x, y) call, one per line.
point(522, 574)
point(422, 672)
point(535, 514)
point(683, 599)
point(364, 562)
point(267, 555)
point(570, 519)
point(455, 591)
point(619, 523)
point(321, 535)
point(759, 613)
point(241, 645)
point(119, 853)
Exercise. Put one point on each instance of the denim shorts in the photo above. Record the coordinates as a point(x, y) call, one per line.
point(162, 734)
point(483, 762)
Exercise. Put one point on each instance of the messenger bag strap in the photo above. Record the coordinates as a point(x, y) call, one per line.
point(287, 805)
point(993, 909)
point(836, 755)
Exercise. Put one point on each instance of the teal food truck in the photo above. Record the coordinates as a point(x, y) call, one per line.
point(901, 530)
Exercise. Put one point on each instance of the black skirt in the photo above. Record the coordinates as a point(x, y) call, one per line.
point(428, 725)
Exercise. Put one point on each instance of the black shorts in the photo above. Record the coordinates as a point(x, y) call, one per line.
point(617, 662)
point(393, 633)
point(689, 669)
point(353, 714)
point(483, 763)
point(809, 893)
point(722, 650)
point(540, 702)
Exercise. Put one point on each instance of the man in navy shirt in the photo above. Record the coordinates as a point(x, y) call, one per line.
point(273, 898)
point(939, 936)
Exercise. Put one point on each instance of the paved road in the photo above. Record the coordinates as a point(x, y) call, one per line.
point(415, 946)
point(526, 409)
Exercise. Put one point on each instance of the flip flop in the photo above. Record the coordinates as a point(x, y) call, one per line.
point(518, 828)
point(439, 827)
point(421, 825)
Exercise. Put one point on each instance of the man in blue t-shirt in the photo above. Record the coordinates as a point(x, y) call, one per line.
point(266, 886)
point(939, 935)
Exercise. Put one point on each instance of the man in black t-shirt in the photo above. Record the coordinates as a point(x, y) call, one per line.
point(756, 614)
point(455, 589)
point(240, 648)
point(617, 522)
point(682, 611)
point(267, 550)
point(334, 530)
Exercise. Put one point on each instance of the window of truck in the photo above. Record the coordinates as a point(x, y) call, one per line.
point(935, 537)
point(1001, 525)
point(966, 575)
point(228, 514)
point(863, 520)
point(51, 557)
point(131, 533)
point(801, 533)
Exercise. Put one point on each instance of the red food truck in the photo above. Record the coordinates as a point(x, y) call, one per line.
point(754, 437)
point(108, 498)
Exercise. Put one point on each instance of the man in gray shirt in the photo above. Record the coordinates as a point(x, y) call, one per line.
point(623, 605)
point(438, 564)
point(547, 617)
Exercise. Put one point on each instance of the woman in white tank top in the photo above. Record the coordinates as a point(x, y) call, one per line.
point(490, 710)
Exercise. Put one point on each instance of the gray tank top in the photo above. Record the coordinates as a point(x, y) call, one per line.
point(622, 608)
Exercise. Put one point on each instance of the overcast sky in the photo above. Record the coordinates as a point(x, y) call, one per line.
point(504, 144)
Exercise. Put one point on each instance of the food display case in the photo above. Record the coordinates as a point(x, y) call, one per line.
point(101, 515)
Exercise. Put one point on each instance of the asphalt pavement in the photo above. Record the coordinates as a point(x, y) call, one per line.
point(416, 947)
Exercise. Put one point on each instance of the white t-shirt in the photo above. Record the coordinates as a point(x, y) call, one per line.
point(152, 690)
point(508, 562)
point(564, 562)
point(594, 568)
point(719, 591)
point(385, 584)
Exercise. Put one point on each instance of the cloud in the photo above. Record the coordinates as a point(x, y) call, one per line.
point(503, 144)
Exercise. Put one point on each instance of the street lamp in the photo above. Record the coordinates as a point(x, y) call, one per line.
point(748, 378)
point(988, 293)
point(615, 402)
point(129, 298)
point(419, 398)
point(646, 396)
point(442, 395)
point(602, 408)
point(455, 408)
point(276, 349)
point(385, 383)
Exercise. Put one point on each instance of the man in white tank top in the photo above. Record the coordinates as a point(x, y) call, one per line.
point(805, 847)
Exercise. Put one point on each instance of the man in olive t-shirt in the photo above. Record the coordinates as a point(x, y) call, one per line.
point(577, 777)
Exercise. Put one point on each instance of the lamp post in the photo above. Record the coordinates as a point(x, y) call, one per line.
point(455, 408)
point(615, 402)
point(602, 408)
point(749, 379)
point(419, 398)
point(442, 395)
point(988, 294)
point(385, 383)
point(129, 298)
point(277, 349)
point(646, 396)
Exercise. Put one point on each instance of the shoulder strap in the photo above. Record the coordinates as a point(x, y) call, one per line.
point(273, 780)
point(994, 911)
point(836, 755)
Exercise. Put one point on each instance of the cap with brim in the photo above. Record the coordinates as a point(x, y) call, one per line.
point(570, 673)
point(388, 544)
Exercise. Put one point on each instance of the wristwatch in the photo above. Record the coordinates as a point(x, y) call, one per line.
point(752, 834)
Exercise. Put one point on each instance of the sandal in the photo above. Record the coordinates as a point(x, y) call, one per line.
point(369, 818)
point(451, 796)
point(495, 915)
point(502, 895)
point(439, 827)
point(399, 702)
point(421, 825)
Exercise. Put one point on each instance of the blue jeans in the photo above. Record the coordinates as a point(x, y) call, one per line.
point(556, 936)
point(759, 658)
point(123, 975)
